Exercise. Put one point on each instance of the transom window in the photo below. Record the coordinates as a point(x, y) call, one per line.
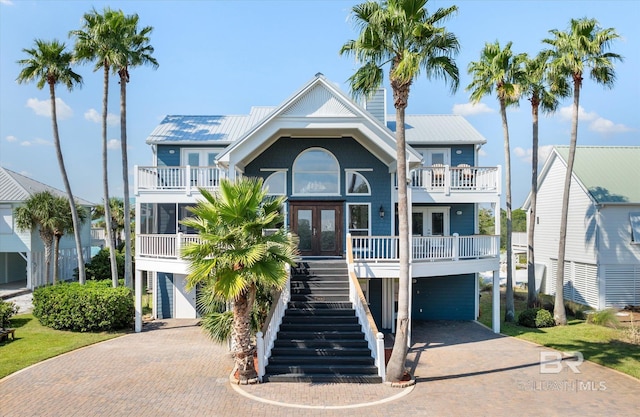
point(357, 184)
point(276, 183)
point(316, 172)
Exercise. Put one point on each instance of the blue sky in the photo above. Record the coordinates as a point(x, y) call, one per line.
point(222, 57)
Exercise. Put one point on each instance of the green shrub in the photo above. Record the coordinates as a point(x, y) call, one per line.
point(99, 267)
point(95, 306)
point(536, 318)
point(605, 318)
point(7, 310)
point(575, 309)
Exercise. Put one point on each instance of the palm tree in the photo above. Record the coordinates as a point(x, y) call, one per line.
point(234, 256)
point(499, 69)
point(62, 223)
point(50, 64)
point(404, 35)
point(543, 92)
point(133, 49)
point(584, 47)
point(39, 212)
point(96, 41)
point(116, 211)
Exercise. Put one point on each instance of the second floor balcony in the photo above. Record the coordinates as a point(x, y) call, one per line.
point(184, 179)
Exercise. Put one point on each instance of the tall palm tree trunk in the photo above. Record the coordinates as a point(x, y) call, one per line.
point(559, 313)
point(396, 366)
point(243, 349)
point(509, 314)
point(65, 179)
point(105, 179)
point(47, 240)
point(124, 77)
point(531, 271)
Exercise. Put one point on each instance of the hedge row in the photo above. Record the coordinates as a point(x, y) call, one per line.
point(95, 306)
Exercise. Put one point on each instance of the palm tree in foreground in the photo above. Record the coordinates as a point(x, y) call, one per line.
point(133, 50)
point(95, 42)
point(402, 34)
point(584, 47)
point(499, 69)
point(39, 212)
point(49, 64)
point(234, 256)
point(543, 92)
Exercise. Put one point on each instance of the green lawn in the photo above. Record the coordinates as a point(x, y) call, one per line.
point(602, 345)
point(35, 343)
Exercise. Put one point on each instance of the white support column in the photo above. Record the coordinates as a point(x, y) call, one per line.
point(495, 308)
point(29, 271)
point(138, 301)
point(410, 303)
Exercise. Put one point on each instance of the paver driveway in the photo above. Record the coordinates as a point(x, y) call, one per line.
point(172, 369)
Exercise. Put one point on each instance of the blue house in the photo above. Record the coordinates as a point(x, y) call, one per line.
point(335, 161)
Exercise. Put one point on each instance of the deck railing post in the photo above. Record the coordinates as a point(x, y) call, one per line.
point(382, 371)
point(260, 347)
point(456, 246)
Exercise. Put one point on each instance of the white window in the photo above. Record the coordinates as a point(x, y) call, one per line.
point(316, 172)
point(199, 157)
point(358, 219)
point(635, 227)
point(356, 183)
point(6, 220)
point(276, 183)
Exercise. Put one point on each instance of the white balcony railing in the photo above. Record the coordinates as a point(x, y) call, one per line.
point(163, 246)
point(426, 248)
point(179, 178)
point(447, 179)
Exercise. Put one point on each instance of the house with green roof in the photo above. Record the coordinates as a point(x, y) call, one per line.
point(602, 266)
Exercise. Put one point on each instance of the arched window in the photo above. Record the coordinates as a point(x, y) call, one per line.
point(316, 172)
point(357, 184)
point(276, 183)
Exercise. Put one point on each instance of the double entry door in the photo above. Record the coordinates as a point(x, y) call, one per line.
point(318, 225)
point(430, 221)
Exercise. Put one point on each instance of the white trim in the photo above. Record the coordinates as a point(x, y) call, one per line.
point(272, 175)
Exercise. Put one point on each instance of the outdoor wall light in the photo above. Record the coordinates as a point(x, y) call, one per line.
point(459, 212)
point(172, 151)
point(381, 212)
point(458, 151)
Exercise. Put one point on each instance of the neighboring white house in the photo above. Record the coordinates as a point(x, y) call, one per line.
point(602, 267)
point(22, 252)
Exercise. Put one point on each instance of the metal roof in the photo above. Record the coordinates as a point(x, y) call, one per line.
point(16, 187)
point(611, 174)
point(208, 129)
point(427, 129)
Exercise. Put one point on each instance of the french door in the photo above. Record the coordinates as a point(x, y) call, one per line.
point(318, 225)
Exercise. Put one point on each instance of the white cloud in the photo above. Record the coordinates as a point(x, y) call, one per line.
point(526, 154)
point(11, 138)
point(596, 123)
point(482, 152)
point(113, 144)
point(93, 116)
point(25, 143)
point(470, 109)
point(6, 2)
point(39, 141)
point(43, 108)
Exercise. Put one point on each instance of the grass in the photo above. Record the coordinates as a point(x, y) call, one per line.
point(35, 343)
point(599, 344)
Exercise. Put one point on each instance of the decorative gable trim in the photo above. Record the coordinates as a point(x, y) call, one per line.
point(317, 102)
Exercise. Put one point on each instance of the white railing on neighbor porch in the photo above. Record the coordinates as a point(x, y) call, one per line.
point(177, 178)
point(163, 246)
point(375, 339)
point(461, 178)
point(425, 248)
point(265, 339)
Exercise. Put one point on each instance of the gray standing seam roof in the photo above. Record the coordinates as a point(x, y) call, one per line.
point(16, 187)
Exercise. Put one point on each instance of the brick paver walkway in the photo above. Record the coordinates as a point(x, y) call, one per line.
point(172, 369)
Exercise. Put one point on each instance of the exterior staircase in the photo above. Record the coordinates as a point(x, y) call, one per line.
point(320, 339)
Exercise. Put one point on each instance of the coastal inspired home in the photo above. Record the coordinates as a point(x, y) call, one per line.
point(22, 252)
point(602, 266)
point(335, 161)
